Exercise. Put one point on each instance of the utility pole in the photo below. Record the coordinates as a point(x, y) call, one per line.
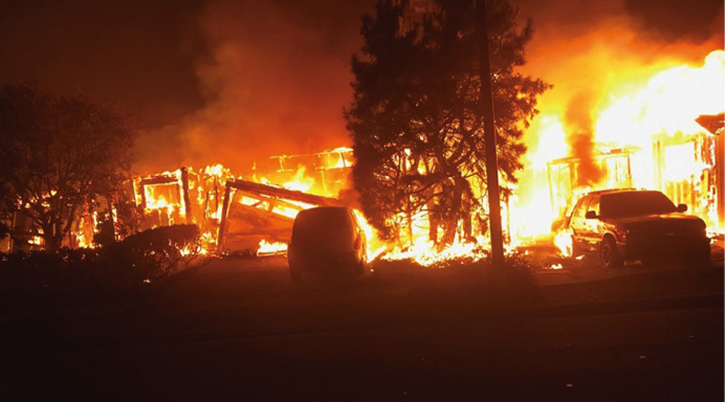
point(486, 108)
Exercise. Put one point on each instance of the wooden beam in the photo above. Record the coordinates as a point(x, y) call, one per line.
point(222, 224)
point(186, 198)
point(283, 193)
point(266, 193)
point(158, 180)
point(257, 216)
point(277, 201)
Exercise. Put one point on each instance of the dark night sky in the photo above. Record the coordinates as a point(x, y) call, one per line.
point(231, 81)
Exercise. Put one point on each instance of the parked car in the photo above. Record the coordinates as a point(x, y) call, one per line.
point(327, 241)
point(633, 224)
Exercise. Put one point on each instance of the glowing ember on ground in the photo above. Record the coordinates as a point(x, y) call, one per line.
point(425, 253)
point(267, 248)
point(192, 250)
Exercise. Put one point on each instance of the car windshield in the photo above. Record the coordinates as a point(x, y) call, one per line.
point(635, 203)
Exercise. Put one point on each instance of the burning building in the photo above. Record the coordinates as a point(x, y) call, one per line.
point(236, 214)
point(231, 213)
point(663, 133)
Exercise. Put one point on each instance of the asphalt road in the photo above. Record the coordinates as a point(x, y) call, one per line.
point(238, 329)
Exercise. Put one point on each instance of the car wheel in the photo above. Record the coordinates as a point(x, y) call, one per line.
point(608, 253)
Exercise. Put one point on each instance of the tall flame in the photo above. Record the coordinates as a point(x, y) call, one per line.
point(636, 114)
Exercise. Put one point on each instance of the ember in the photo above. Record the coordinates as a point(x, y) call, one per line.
point(266, 248)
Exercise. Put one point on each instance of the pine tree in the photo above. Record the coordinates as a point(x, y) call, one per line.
point(417, 133)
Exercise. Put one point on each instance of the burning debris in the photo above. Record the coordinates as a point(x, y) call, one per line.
point(182, 196)
point(265, 209)
point(234, 214)
point(266, 248)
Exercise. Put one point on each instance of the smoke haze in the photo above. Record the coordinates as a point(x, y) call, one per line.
point(275, 82)
point(604, 47)
point(222, 81)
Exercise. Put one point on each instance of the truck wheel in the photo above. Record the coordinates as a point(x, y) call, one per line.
point(608, 253)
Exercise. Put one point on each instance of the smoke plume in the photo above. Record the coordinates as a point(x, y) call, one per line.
point(604, 47)
point(276, 75)
point(275, 82)
point(580, 138)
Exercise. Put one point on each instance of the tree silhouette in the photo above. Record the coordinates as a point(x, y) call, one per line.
point(417, 133)
point(57, 154)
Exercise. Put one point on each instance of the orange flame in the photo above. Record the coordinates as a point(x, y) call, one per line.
point(644, 134)
point(267, 248)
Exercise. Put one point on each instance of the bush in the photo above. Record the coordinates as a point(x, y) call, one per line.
point(66, 269)
point(155, 253)
point(145, 257)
